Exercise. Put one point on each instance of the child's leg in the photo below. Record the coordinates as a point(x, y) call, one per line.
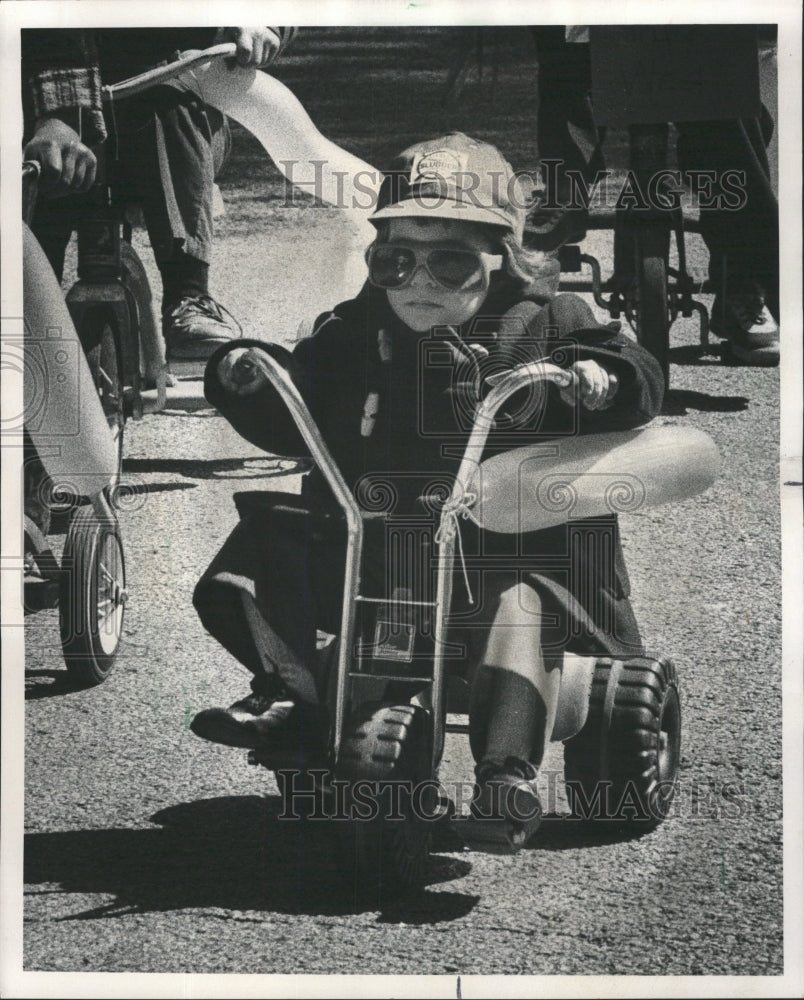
point(262, 598)
point(276, 656)
point(515, 688)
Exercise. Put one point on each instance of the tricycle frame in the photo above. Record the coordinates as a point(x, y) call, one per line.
point(459, 503)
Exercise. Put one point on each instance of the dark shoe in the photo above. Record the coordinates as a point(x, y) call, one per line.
point(247, 723)
point(196, 327)
point(744, 320)
point(507, 796)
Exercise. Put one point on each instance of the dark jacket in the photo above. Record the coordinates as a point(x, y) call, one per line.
point(422, 422)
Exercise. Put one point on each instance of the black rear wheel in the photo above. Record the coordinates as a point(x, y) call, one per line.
point(623, 765)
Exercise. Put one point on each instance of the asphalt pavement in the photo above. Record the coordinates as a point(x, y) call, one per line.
point(148, 850)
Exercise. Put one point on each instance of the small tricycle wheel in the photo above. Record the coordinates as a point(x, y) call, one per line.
point(93, 594)
point(385, 758)
point(623, 765)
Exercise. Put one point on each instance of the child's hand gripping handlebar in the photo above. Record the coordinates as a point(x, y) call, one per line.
point(588, 383)
point(579, 381)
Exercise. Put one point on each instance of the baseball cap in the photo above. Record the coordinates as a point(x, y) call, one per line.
point(454, 177)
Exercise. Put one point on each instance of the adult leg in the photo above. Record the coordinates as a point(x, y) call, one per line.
point(568, 139)
point(170, 147)
point(53, 223)
point(742, 236)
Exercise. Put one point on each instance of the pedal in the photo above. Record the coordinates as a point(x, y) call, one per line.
point(181, 393)
point(39, 593)
point(569, 258)
point(187, 368)
point(491, 836)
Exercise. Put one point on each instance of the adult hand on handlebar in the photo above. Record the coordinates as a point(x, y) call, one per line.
point(68, 166)
point(592, 386)
point(255, 46)
point(240, 371)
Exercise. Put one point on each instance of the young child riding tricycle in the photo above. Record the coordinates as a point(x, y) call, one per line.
point(391, 380)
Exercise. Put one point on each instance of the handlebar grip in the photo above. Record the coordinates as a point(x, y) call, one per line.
point(31, 170)
point(244, 370)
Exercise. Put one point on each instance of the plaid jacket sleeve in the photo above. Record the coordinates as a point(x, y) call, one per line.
point(61, 79)
point(286, 36)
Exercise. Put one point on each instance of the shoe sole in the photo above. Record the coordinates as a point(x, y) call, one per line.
point(756, 357)
point(761, 355)
point(220, 727)
point(494, 836)
point(224, 730)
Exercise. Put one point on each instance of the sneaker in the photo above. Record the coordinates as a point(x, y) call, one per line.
point(744, 320)
point(247, 723)
point(508, 796)
point(196, 327)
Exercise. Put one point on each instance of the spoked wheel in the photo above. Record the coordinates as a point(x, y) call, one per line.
point(640, 252)
point(650, 232)
point(93, 596)
point(385, 759)
point(623, 765)
point(652, 309)
point(106, 364)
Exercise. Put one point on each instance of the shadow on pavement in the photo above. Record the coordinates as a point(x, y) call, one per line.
point(259, 468)
point(61, 683)
point(690, 356)
point(60, 516)
point(129, 489)
point(564, 833)
point(229, 853)
point(678, 402)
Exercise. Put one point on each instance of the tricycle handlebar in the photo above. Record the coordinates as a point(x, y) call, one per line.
point(160, 74)
point(504, 385)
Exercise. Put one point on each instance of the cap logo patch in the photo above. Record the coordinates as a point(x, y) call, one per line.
point(438, 162)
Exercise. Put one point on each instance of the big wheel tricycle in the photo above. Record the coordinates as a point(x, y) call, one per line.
point(619, 719)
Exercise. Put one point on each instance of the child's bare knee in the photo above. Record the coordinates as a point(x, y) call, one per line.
point(521, 602)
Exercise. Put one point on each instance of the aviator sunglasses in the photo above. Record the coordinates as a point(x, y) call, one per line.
point(393, 266)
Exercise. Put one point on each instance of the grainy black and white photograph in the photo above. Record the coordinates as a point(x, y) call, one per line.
point(401, 436)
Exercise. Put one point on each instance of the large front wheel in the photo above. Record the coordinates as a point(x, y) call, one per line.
point(390, 803)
